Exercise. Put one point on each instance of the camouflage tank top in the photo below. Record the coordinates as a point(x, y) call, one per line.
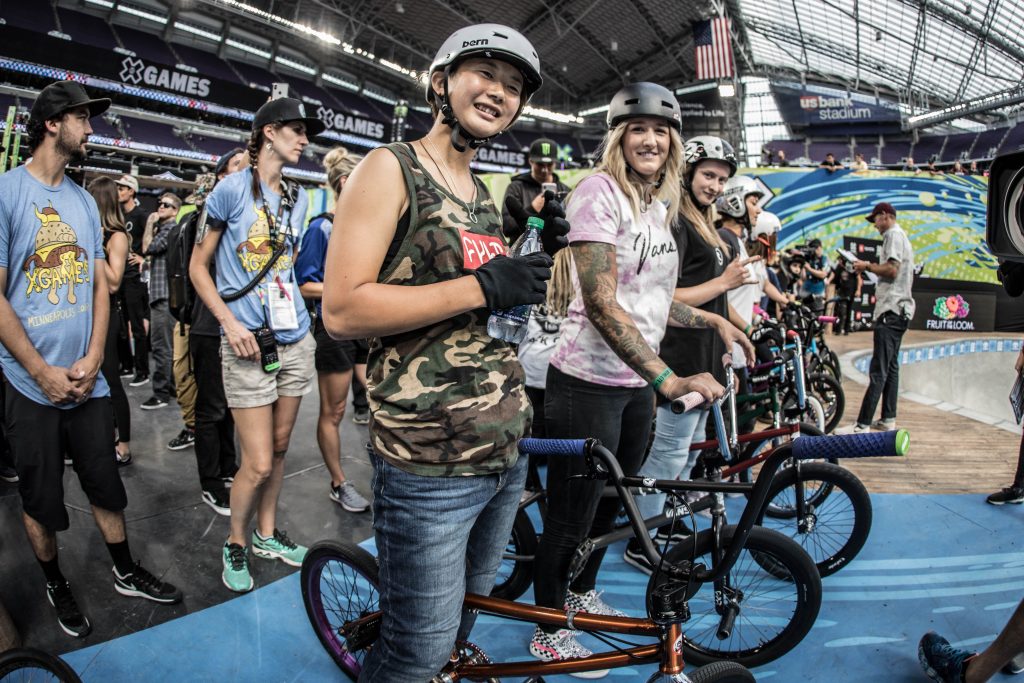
point(446, 399)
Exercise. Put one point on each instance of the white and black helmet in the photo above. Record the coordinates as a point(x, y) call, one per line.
point(733, 201)
point(768, 224)
point(644, 99)
point(493, 41)
point(707, 148)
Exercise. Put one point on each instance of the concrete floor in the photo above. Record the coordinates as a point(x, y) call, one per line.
point(169, 529)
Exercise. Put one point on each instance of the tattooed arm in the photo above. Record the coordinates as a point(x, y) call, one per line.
point(681, 315)
point(598, 275)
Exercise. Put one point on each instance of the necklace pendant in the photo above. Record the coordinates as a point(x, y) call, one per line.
point(472, 215)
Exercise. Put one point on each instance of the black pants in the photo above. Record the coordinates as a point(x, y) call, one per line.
point(215, 428)
point(574, 409)
point(884, 373)
point(359, 400)
point(843, 311)
point(136, 301)
point(111, 369)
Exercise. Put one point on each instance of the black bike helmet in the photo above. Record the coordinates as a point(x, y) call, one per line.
point(493, 41)
point(645, 99)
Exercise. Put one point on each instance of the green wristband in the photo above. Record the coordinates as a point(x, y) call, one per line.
point(661, 378)
point(746, 330)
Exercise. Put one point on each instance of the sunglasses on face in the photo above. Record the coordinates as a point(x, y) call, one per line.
point(166, 205)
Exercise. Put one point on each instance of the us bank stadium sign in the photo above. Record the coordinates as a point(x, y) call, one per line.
point(135, 71)
point(347, 123)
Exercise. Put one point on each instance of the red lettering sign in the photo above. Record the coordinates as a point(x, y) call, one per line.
point(479, 249)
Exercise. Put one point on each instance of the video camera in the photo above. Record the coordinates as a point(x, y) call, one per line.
point(1005, 223)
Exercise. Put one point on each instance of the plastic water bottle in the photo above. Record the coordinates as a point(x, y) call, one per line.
point(510, 324)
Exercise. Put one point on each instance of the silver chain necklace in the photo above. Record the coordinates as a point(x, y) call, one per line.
point(448, 182)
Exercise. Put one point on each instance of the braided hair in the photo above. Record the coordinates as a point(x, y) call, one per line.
point(256, 141)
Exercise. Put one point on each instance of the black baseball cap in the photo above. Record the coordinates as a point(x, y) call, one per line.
point(815, 243)
point(222, 163)
point(543, 151)
point(286, 109)
point(57, 98)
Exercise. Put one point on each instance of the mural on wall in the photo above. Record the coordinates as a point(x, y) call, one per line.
point(944, 215)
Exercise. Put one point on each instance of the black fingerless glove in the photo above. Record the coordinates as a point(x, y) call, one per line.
point(508, 282)
point(556, 228)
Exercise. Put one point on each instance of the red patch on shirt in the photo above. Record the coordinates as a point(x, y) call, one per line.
point(479, 249)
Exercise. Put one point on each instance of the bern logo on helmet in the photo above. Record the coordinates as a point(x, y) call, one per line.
point(473, 43)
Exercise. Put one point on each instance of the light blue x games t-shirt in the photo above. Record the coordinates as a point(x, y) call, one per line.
point(245, 247)
point(51, 245)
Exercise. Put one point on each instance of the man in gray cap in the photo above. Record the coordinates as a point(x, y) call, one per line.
point(54, 309)
point(526, 194)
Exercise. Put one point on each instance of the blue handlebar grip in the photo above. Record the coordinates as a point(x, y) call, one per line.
point(866, 445)
point(552, 446)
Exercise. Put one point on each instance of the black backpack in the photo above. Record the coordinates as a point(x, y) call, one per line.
point(181, 296)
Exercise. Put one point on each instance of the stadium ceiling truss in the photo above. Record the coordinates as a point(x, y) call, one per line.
point(927, 53)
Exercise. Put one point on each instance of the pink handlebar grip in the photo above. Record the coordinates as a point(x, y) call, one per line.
point(687, 402)
point(827, 319)
point(791, 334)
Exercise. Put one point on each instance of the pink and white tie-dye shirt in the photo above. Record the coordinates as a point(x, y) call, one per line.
point(647, 262)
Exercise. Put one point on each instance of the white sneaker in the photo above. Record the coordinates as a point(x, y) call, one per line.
point(560, 646)
point(591, 603)
point(855, 428)
point(884, 425)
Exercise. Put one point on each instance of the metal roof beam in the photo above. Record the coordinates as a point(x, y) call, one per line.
point(972, 28)
point(979, 49)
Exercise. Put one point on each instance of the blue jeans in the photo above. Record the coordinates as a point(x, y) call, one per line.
point(438, 538)
point(670, 454)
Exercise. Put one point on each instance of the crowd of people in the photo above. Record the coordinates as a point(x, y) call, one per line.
point(650, 269)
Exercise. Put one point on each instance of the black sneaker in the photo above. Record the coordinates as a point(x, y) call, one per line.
point(141, 584)
point(361, 417)
point(152, 403)
point(219, 502)
point(125, 373)
point(1011, 494)
point(1015, 665)
point(123, 460)
point(139, 380)
point(8, 474)
point(635, 557)
point(672, 534)
point(70, 618)
point(185, 438)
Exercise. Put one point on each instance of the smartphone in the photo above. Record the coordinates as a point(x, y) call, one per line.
point(278, 90)
point(268, 349)
point(549, 187)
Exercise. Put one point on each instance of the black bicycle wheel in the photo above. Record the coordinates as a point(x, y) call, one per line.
point(25, 664)
point(829, 391)
point(515, 573)
point(835, 524)
point(773, 614)
point(339, 586)
point(722, 672)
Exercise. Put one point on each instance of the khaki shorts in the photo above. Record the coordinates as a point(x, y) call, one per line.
point(246, 385)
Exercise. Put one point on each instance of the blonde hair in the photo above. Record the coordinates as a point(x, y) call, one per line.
point(613, 162)
point(339, 163)
point(560, 288)
point(703, 220)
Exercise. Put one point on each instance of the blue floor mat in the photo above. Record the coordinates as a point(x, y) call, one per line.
point(948, 563)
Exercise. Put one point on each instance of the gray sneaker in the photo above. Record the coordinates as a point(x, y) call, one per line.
point(884, 425)
point(347, 497)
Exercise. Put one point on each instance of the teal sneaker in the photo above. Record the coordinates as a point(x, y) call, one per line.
point(278, 547)
point(236, 574)
point(941, 661)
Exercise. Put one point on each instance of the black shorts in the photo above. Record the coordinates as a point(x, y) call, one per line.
point(40, 436)
point(362, 351)
point(331, 355)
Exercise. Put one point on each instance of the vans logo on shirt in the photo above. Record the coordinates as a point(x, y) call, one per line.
point(644, 244)
point(479, 249)
point(57, 261)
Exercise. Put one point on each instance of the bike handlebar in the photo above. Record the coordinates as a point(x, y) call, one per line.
point(865, 445)
point(827, 319)
point(531, 446)
point(687, 402)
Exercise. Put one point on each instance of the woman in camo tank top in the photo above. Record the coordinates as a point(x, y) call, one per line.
point(416, 262)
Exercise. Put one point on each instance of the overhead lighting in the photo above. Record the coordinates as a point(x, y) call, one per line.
point(295, 65)
point(194, 30)
point(101, 3)
point(273, 18)
point(727, 90)
point(244, 47)
point(349, 85)
point(596, 110)
point(128, 9)
point(699, 87)
point(536, 112)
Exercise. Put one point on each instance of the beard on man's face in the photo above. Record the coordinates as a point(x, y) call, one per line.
point(71, 148)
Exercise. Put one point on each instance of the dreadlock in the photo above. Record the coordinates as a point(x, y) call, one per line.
point(560, 289)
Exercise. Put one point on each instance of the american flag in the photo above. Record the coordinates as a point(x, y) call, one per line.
point(713, 49)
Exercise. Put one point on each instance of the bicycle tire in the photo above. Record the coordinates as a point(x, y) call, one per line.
point(768, 602)
point(515, 573)
point(830, 393)
point(339, 585)
point(722, 672)
point(28, 660)
point(814, 412)
point(835, 526)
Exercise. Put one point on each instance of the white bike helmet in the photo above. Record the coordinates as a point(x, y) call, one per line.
point(493, 41)
point(768, 224)
point(709, 147)
point(733, 201)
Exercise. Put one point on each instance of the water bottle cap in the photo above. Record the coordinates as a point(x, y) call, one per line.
point(535, 222)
